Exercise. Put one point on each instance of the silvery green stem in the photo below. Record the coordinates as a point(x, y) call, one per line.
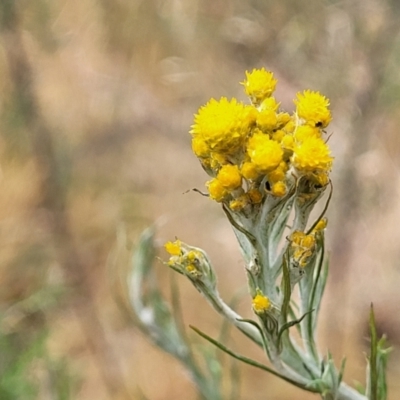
point(214, 298)
point(346, 392)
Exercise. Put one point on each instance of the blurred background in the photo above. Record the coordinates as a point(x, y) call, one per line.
point(96, 100)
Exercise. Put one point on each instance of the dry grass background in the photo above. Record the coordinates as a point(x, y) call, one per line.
point(96, 101)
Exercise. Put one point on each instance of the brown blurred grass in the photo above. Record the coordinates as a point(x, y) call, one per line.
point(114, 86)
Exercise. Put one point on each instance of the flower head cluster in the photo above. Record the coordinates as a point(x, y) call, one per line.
point(191, 262)
point(184, 259)
point(258, 150)
point(303, 245)
point(268, 168)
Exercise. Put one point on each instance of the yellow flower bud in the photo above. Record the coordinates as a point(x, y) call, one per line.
point(261, 304)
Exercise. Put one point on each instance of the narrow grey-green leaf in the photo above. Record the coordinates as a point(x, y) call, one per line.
point(253, 363)
point(373, 395)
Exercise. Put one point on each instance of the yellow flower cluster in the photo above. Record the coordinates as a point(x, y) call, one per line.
point(252, 151)
point(183, 258)
point(303, 245)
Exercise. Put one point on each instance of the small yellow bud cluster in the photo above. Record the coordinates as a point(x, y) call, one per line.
point(184, 258)
point(303, 245)
point(252, 151)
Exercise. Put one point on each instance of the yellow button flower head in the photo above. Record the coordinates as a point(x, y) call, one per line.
point(279, 189)
point(249, 171)
point(229, 177)
point(174, 248)
point(261, 304)
point(312, 155)
point(313, 108)
point(303, 132)
point(259, 84)
point(265, 154)
point(216, 190)
point(267, 120)
point(222, 125)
